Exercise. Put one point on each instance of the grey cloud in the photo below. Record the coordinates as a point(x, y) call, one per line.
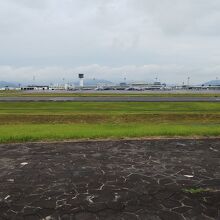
point(39, 4)
point(177, 16)
point(113, 34)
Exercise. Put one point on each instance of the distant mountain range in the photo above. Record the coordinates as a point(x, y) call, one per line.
point(93, 82)
point(212, 83)
point(7, 84)
point(87, 82)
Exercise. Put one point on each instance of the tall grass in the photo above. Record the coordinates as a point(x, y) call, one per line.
point(30, 132)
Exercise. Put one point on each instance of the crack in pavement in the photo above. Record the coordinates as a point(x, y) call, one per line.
point(151, 179)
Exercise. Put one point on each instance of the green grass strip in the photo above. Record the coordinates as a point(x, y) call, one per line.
point(108, 94)
point(107, 107)
point(34, 132)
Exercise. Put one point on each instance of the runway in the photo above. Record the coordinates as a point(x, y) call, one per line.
point(110, 99)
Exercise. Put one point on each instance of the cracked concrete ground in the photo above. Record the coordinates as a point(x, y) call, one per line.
point(103, 180)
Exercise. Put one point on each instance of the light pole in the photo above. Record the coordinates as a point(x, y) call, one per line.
point(188, 81)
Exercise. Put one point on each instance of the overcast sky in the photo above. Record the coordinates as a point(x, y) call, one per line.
point(110, 39)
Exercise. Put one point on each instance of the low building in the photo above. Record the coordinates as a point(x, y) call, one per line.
point(33, 87)
point(149, 86)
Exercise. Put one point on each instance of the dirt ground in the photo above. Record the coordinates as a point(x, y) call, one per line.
point(111, 180)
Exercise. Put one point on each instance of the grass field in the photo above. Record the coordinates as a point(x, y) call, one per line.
point(109, 108)
point(33, 121)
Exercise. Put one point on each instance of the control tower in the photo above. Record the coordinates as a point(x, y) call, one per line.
point(81, 78)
